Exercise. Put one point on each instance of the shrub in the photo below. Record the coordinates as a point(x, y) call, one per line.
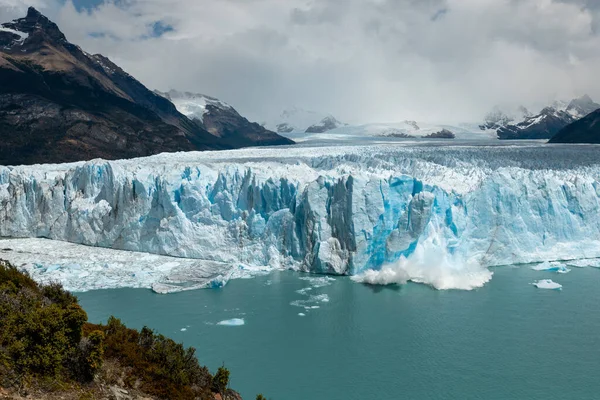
point(220, 380)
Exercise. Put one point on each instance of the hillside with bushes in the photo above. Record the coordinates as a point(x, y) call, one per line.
point(48, 350)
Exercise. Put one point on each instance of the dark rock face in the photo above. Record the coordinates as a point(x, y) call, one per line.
point(326, 124)
point(396, 133)
point(585, 130)
point(61, 104)
point(541, 126)
point(284, 128)
point(223, 121)
point(443, 134)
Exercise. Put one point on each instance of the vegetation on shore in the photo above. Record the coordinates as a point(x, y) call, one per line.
point(47, 346)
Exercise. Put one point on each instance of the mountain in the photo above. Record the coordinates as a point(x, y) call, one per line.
point(543, 125)
point(298, 120)
point(61, 104)
point(326, 124)
point(579, 108)
point(584, 130)
point(498, 118)
point(443, 134)
point(222, 120)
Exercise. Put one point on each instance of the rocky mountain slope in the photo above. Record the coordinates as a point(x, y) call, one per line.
point(298, 120)
point(584, 130)
point(60, 104)
point(521, 124)
point(222, 120)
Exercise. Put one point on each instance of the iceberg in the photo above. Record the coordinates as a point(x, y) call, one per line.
point(551, 267)
point(232, 322)
point(392, 212)
point(547, 284)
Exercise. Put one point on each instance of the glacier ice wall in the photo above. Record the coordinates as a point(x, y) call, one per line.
point(338, 210)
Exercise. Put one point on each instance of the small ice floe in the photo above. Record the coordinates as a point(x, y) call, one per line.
point(183, 329)
point(551, 267)
point(547, 284)
point(301, 314)
point(232, 322)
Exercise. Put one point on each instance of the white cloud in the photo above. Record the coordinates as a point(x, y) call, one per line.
point(363, 60)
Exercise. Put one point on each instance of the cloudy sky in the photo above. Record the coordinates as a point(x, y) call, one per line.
point(361, 60)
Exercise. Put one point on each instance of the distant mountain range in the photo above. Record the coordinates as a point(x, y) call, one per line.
point(59, 103)
point(298, 120)
point(521, 124)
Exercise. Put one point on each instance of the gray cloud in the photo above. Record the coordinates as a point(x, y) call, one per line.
point(363, 60)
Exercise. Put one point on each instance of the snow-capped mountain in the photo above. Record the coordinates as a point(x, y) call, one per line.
point(581, 107)
point(543, 125)
point(298, 120)
point(222, 120)
point(59, 103)
point(326, 124)
point(499, 117)
point(194, 105)
point(403, 130)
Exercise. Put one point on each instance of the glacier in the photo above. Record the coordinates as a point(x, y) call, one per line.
point(383, 212)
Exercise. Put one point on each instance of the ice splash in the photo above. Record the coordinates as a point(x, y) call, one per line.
point(551, 267)
point(431, 263)
point(547, 284)
point(232, 322)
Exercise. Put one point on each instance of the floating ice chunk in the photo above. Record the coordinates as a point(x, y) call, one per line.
point(183, 329)
point(547, 284)
point(232, 322)
point(589, 262)
point(552, 267)
point(301, 314)
point(303, 291)
point(318, 281)
point(314, 307)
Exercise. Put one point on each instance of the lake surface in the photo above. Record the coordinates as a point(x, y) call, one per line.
point(507, 340)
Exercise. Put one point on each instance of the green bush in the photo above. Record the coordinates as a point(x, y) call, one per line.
point(161, 366)
point(44, 336)
point(39, 329)
point(220, 380)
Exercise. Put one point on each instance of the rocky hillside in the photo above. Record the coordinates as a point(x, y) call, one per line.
point(60, 104)
point(49, 351)
point(222, 120)
point(585, 130)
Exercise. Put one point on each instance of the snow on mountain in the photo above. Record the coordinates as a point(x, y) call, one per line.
point(298, 120)
point(544, 125)
point(433, 214)
point(500, 117)
point(405, 129)
point(326, 124)
point(193, 105)
point(581, 107)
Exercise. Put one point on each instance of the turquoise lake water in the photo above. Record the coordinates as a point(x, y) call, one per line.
point(507, 340)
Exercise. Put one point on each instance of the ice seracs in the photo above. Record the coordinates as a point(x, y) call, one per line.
point(448, 212)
